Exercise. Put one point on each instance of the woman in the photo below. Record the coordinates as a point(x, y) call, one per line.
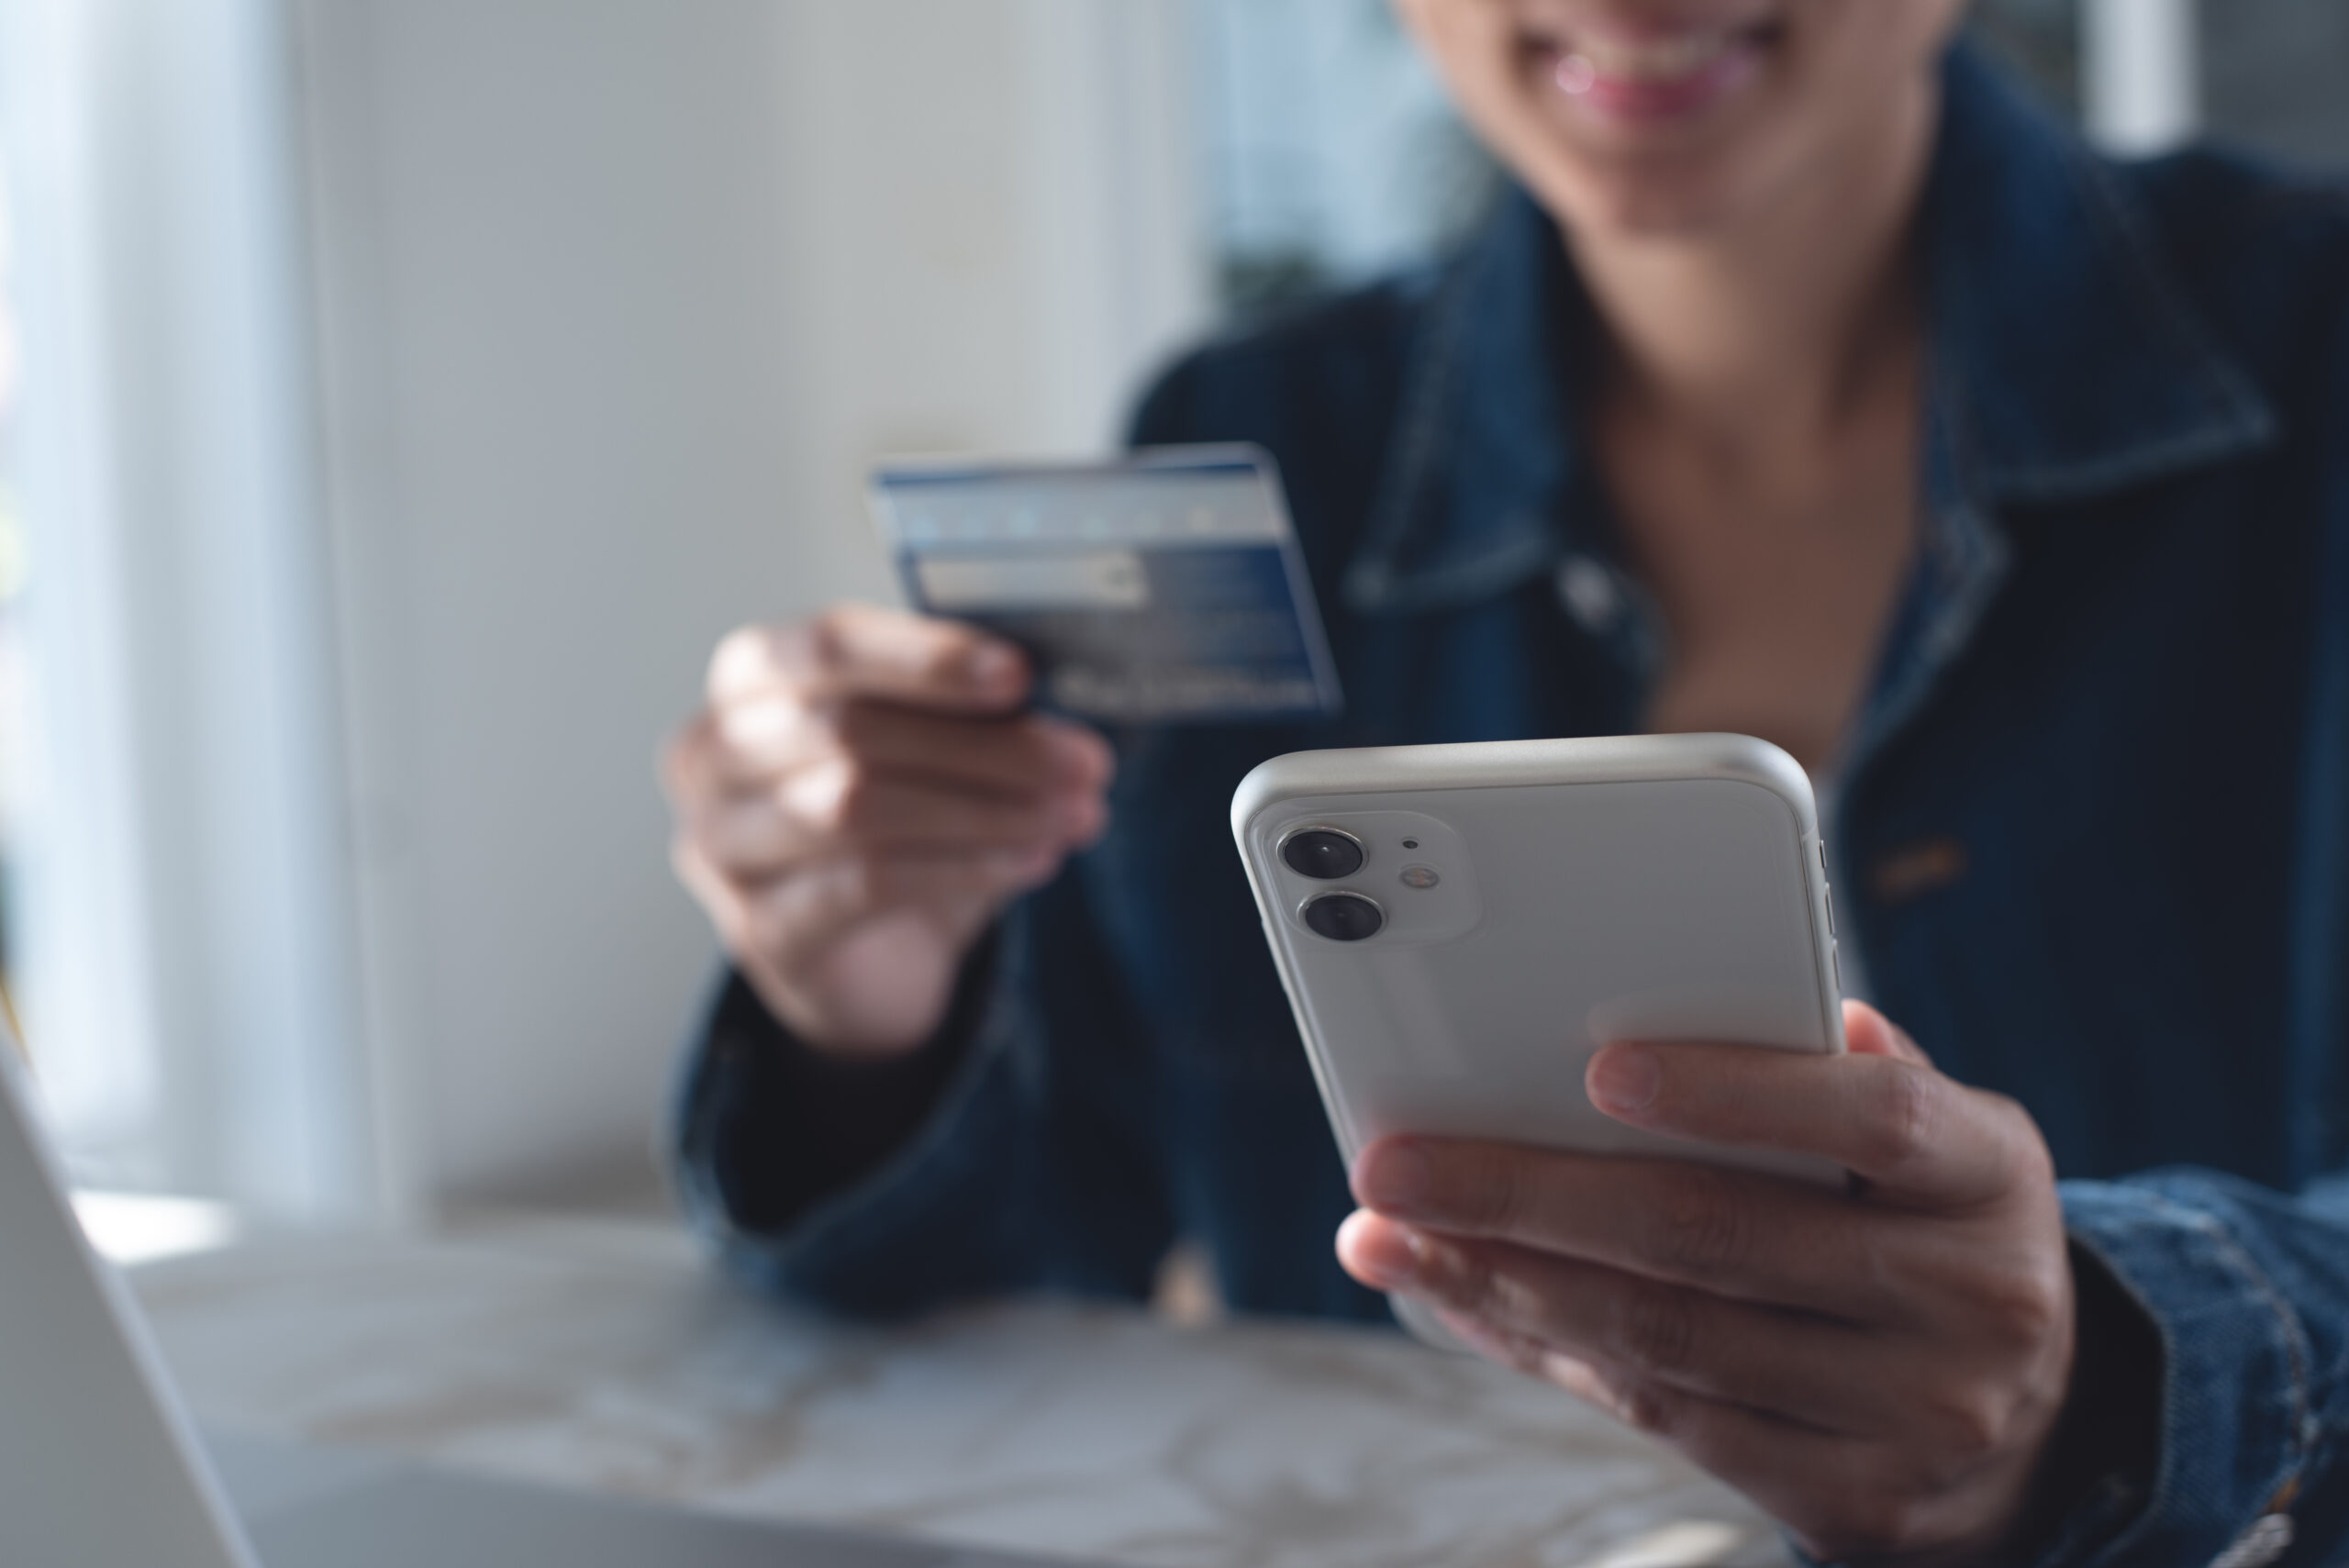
point(1816, 388)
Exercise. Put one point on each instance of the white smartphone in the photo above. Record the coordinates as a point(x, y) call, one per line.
point(1460, 928)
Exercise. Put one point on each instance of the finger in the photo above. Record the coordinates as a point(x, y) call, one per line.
point(1029, 756)
point(720, 897)
point(1868, 1033)
point(1907, 1129)
point(1822, 1373)
point(1837, 1494)
point(819, 812)
point(1021, 758)
point(784, 921)
point(1733, 1232)
point(690, 762)
point(791, 919)
point(862, 650)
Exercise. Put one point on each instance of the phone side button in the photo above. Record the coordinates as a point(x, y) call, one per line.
point(1831, 911)
point(1835, 956)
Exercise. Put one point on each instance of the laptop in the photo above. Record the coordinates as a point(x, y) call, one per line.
point(100, 1467)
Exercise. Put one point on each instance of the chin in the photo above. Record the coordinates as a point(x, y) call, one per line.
point(1682, 199)
point(1650, 210)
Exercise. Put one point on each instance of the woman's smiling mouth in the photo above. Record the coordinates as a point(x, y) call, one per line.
point(1644, 73)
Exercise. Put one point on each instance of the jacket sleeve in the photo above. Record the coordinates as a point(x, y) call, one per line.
point(2248, 1291)
point(1026, 1164)
point(2249, 1287)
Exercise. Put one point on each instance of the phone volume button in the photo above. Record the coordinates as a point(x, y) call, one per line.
point(1831, 911)
point(1835, 956)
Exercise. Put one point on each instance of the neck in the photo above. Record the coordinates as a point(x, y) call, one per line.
point(1782, 323)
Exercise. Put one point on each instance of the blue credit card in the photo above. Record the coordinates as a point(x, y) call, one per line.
point(1166, 587)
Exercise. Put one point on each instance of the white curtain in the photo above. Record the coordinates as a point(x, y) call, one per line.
point(2140, 73)
point(180, 894)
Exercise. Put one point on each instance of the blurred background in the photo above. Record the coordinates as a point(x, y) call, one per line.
point(398, 397)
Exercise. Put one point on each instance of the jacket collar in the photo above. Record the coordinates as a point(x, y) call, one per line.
point(1483, 445)
point(2069, 361)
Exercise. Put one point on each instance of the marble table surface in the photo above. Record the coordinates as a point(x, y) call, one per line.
point(609, 1355)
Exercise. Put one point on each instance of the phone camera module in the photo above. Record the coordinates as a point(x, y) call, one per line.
point(1344, 917)
point(1324, 854)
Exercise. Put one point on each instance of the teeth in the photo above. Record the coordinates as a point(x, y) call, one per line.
point(1658, 60)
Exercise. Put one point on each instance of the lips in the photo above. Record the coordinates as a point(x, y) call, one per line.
point(1652, 73)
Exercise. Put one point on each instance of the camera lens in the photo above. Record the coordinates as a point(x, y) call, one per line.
point(1322, 853)
point(1344, 917)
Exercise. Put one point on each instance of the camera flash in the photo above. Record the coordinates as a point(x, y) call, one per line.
point(1421, 878)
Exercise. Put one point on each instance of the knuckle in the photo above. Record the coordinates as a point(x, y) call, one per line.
point(1968, 1426)
point(1643, 1406)
point(823, 641)
point(2033, 1164)
point(2020, 1306)
point(1655, 1331)
point(1702, 1227)
point(2026, 1155)
point(1494, 1197)
point(1905, 1114)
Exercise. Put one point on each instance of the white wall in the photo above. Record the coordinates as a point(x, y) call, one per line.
point(616, 300)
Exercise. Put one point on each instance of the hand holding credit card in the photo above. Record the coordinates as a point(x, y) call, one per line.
point(1166, 587)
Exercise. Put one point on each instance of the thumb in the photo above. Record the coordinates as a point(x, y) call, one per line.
point(1868, 1033)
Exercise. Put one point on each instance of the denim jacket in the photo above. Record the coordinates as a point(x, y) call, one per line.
point(2092, 829)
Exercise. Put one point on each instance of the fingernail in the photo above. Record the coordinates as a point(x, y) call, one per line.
point(1625, 1079)
point(1397, 1178)
point(991, 666)
point(1384, 1256)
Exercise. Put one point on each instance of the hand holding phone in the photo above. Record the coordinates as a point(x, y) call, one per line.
point(1882, 1368)
point(1878, 1360)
